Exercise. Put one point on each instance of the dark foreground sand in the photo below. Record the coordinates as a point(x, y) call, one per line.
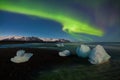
point(44, 60)
point(40, 61)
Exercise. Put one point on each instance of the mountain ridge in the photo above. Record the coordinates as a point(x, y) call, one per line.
point(38, 39)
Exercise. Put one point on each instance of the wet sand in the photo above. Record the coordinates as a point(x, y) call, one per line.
point(44, 60)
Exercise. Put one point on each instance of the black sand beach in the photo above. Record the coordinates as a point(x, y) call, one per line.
point(41, 60)
point(46, 60)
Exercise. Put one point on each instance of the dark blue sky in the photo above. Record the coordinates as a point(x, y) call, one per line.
point(23, 25)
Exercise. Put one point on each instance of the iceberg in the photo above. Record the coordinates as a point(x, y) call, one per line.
point(21, 57)
point(98, 55)
point(83, 51)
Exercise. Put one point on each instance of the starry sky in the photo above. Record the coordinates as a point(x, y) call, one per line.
point(76, 20)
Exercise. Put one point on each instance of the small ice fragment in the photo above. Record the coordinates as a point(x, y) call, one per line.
point(60, 45)
point(64, 53)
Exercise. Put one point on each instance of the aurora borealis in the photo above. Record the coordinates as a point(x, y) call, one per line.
point(78, 18)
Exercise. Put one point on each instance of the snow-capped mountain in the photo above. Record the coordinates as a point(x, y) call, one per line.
point(22, 38)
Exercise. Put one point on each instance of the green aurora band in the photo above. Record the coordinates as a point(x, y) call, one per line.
point(70, 24)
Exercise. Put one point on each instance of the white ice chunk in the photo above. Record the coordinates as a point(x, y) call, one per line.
point(64, 53)
point(98, 55)
point(21, 57)
point(83, 51)
point(60, 45)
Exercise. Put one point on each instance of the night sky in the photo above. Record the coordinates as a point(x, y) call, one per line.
point(77, 20)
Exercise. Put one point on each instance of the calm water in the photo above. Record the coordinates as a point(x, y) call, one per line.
point(106, 45)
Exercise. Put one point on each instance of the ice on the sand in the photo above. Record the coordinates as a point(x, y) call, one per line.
point(83, 51)
point(21, 57)
point(98, 55)
point(64, 53)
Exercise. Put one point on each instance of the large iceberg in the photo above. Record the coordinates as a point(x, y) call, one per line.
point(64, 53)
point(98, 55)
point(21, 57)
point(83, 51)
